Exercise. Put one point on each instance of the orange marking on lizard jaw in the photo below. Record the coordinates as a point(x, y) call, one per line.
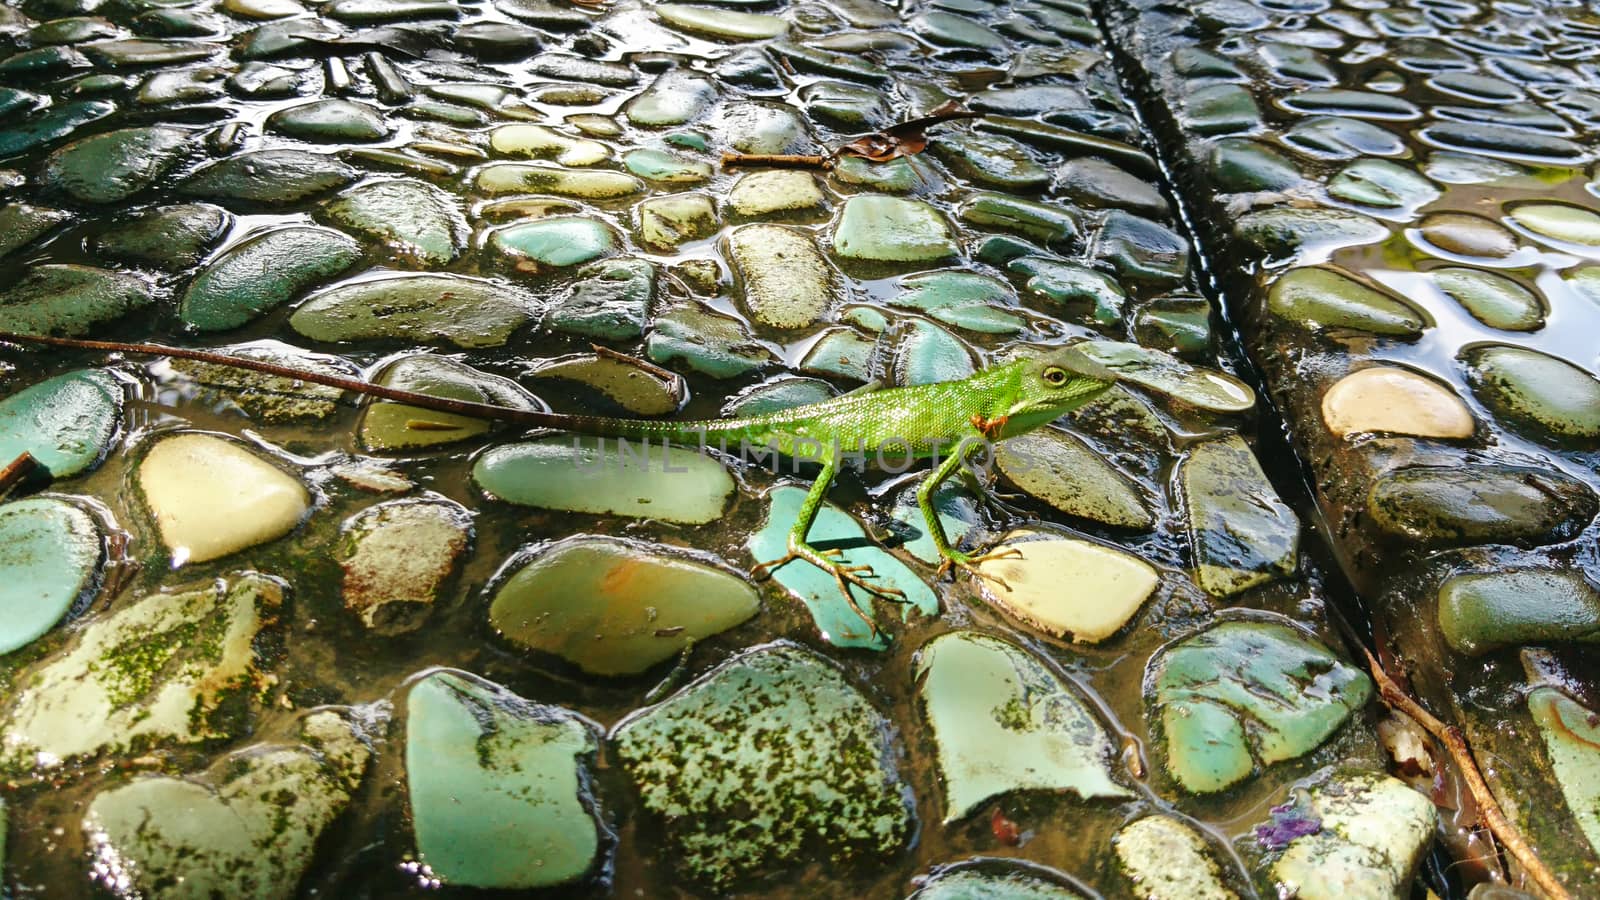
point(990, 428)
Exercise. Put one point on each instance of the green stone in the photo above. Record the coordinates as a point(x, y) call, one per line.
point(269, 177)
point(1544, 394)
point(168, 668)
point(756, 127)
point(721, 23)
point(1180, 325)
point(898, 176)
point(498, 786)
point(841, 353)
point(1202, 388)
point(1572, 741)
point(926, 353)
point(1142, 251)
point(69, 300)
point(1243, 165)
point(992, 883)
point(554, 243)
point(261, 273)
point(965, 300)
point(658, 165)
point(776, 192)
point(1483, 612)
point(1322, 298)
point(467, 312)
point(1048, 223)
point(269, 398)
point(388, 426)
point(412, 219)
point(330, 120)
point(1244, 691)
point(891, 230)
point(776, 738)
point(111, 167)
point(609, 300)
point(950, 30)
point(787, 282)
point(1221, 109)
point(533, 178)
point(55, 123)
point(677, 96)
point(1479, 504)
point(1559, 222)
point(1380, 183)
point(22, 223)
point(1070, 284)
point(247, 827)
point(1004, 722)
point(636, 386)
point(167, 237)
point(66, 423)
point(611, 607)
point(992, 161)
point(546, 143)
point(1282, 232)
point(1243, 533)
point(605, 476)
point(845, 107)
point(705, 341)
point(665, 222)
point(1060, 469)
point(1492, 298)
point(51, 552)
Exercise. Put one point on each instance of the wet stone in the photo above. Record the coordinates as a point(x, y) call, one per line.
point(554, 243)
point(1164, 857)
point(609, 300)
point(393, 427)
point(1372, 834)
point(330, 120)
point(665, 222)
point(1392, 400)
point(1380, 183)
point(877, 229)
point(1476, 504)
point(845, 107)
point(925, 353)
point(1467, 235)
point(140, 675)
point(1060, 469)
point(261, 273)
point(55, 123)
point(776, 194)
point(989, 881)
point(1543, 394)
point(1118, 582)
point(370, 11)
point(721, 23)
point(269, 398)
point(1245, 165)
point(51, 551)
point(1046, 222)
point(674, 98)
point(497, 40)
point(1570, 740)
point(781, 740)
point(269, 177)
point(1559, 223)
point(1221, 109)
point(1324, 299)
point(613, 607)
point(1004, 722)
point(600, 476)
point(145, 52)
point(211, 497)
point(413, 219)
point(1243, 533)
point(114, 166)
point(1508, 143)
point(899, 176)
point(69, 300)
point(964, 300)
point(636, 386)
point(468, 312)
point(1491, 298)
point(1171, 377)
point(22, 223)
point(498, 786)
point(1143, 251)
point(1244, 693)
point(518, 178)
point(1283, 232)
point(1069, 284)
point(755, 127)
point(168, 237)
point(1483, 612)
point(1336, 137)
point(245, 827)
point(66, 423)
point(396, 556)
point(660, 166)
point(705, 341)
point(991, 160)
point(1177, 324)
point(950, 30)
point(841, 353)
point(787, 281)
point(1097, 184)
point(546, 143)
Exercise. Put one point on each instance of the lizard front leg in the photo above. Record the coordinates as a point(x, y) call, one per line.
point(828, 560)
point(950, 556)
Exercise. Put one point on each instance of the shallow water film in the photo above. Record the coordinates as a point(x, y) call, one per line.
point(266, 637)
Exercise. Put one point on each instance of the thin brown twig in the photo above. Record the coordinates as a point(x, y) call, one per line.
point(731, 160)
point(16, 472)
point(1456, 744)
point(529, 417)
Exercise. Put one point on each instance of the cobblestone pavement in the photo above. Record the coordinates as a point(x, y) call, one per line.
point(267, 639)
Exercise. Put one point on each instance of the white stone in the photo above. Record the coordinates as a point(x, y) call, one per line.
point(211, 497)
point(1065, 586)
point(1390, 400)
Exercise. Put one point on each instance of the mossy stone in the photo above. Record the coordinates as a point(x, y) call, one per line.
point(1482, 612)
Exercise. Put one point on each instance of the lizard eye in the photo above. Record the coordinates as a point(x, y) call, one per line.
point(1055, 375)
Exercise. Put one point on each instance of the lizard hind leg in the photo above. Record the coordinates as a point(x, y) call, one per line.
point(970, 562)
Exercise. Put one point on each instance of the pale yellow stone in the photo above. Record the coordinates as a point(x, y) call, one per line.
point(1394, 401)
point(211, 497)
point(547, 143)
point(1065, 586)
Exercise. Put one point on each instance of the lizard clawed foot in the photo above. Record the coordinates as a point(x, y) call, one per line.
point(830, 561)
point(969, 563)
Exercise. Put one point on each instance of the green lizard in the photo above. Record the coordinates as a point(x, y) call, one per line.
point(950, 419)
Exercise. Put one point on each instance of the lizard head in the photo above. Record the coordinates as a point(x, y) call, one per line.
point(1058, 381)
